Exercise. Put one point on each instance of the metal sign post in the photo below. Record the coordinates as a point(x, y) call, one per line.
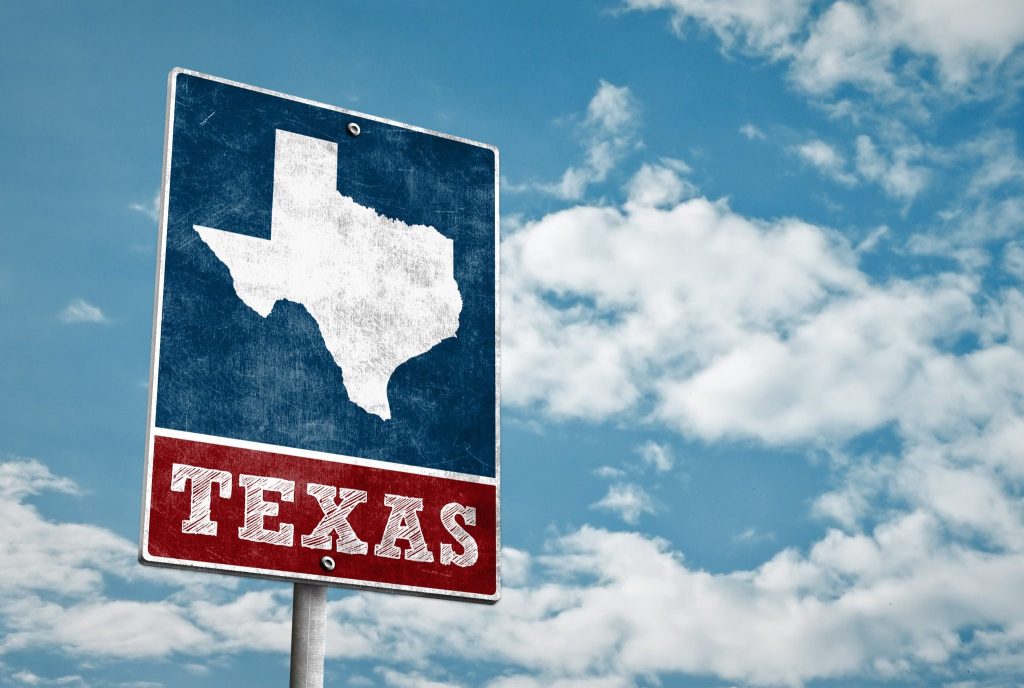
point(309, 635)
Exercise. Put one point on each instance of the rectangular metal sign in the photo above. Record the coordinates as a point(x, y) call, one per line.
point(324, 383)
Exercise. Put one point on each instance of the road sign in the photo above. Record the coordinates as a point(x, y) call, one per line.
point(324, 383)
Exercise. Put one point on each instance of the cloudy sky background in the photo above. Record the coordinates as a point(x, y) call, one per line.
point(763, 340)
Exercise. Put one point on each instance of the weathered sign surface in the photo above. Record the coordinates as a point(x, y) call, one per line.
point(324, 386)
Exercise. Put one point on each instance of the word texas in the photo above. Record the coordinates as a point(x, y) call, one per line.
point(337, 505)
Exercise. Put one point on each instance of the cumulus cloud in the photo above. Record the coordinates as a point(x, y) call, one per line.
point(872, 240)
point(885, 603)
point(897, 176)
point(859, 44)
point(998, 166)
point(755, 24)
point(827, 159)
point(1013, 260)
point(724, 326)
point(628, 500)
point(81, 311)
point(657, 456)
point(526, 681)
point(660, 184)
point(609, 472)
point(29, 678)
point(677, 310)
point(399, 679)
point(855, 361)
point(606, 608)
point(898, 173)
point(609, 132)
point(720, 325)
point(753, 535)
point(650, 297)
point(987, 210)
point(52, 590)
point(26, 477)
point(752, 131)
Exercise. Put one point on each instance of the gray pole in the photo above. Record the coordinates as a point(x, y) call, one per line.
point(309, 626)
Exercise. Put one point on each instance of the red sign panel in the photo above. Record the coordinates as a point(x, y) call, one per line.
point(326, 519)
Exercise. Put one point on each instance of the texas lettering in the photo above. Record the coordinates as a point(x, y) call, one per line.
point(256, 509)
point(333, 531)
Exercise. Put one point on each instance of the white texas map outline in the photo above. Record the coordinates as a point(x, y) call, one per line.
point(381, 291)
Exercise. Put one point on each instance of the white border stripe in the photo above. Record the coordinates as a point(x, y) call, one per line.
point(322, 456)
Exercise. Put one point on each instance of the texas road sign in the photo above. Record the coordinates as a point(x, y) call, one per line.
point(324, 386)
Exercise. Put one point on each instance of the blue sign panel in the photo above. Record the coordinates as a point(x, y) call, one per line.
point(328, 281)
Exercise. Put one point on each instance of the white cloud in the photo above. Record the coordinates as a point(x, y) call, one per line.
point(697, 317)
point(843, 46)
point(612, 109)
point(526, 681)
point(722, 326)
point(753, 535)
point(151, 209)
point(752, 131)
point(627, 500)
point(660, 184)
point(879, 604)
point(987, 210)
point(650, 297)
point(824, 157)
point(1013, 260)
point(399, 679)
point(119, 628)
point(897, 176)
point(42, 556)
point(52, 590)
point(855, 361)
point(603, 608)
point(998, 165)
point(19, 478)
point(762, 26)
point(658, 456)
point(609, 472)
point(860, 43)
point(81, 311)
point(681, 311)
point(516, 565)
point(610, 132)
point(962, 38)
point(868, 243)
point(30, 679)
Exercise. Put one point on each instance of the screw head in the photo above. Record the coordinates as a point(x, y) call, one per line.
point(353, 129)
point(327, 563)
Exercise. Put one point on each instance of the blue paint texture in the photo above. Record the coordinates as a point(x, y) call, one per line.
point(228, 372)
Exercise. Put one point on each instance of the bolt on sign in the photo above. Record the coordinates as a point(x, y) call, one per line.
point(324, 384)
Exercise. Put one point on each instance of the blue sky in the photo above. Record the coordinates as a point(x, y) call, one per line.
point(763, 340)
